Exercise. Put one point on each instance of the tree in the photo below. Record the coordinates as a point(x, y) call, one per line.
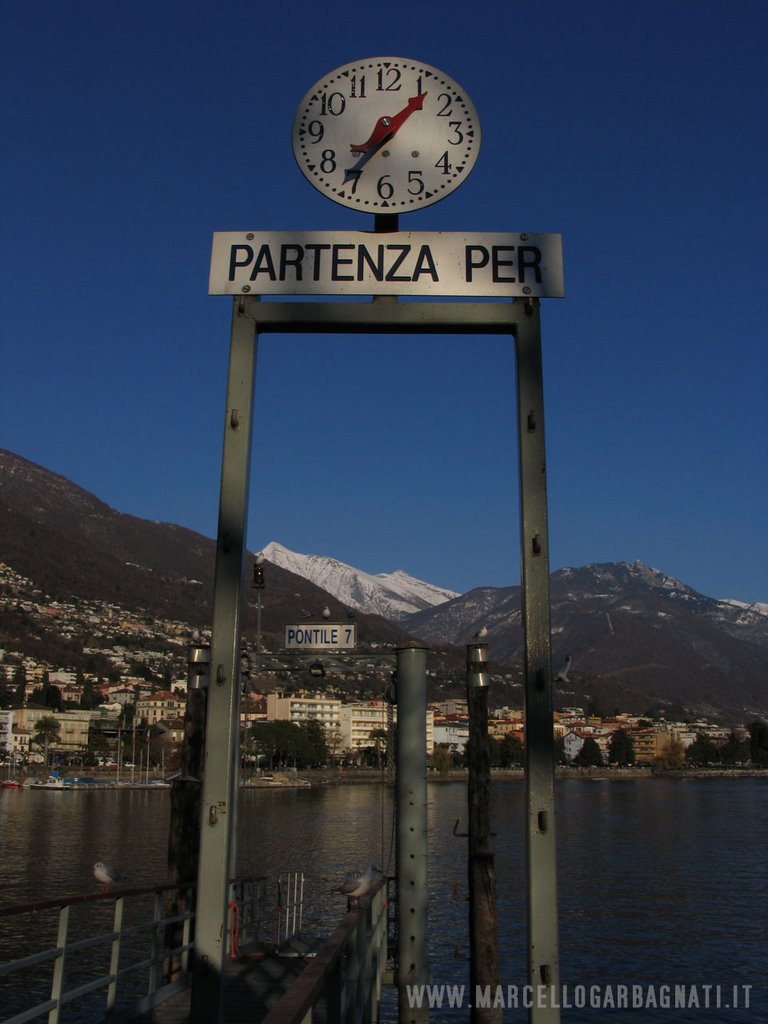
point(758, 744)
point(511, 752)
point(378, 736)
point(47, 694)
point(560, 757)
point(20, 687)
point(299, 743)
point(702, 751)
point(621, 749)
point(47, 730)
point(672, 756)
point(594, 710)
point(590, 755)
point(127, 716)
point(735, 750)
point(441, 758)
point(314, 748)
point(88, 696)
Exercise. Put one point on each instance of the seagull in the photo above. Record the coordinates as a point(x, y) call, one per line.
point(562, 677)
point(481, 634)
point(358, 883)
point(107, 874)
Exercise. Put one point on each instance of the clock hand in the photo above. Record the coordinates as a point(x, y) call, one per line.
point(357, 167)
point(386, 127)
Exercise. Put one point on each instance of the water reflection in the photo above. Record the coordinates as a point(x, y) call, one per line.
point(660, 881)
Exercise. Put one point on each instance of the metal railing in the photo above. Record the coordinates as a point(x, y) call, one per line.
point(345, 977)
point(120, 963)
point(289, 908)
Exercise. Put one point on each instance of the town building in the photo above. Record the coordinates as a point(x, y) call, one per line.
point(358, 719)
point(302, 708)
point(159, 705)
point(451, 732)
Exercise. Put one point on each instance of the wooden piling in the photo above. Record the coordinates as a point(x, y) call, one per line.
point(483, 945)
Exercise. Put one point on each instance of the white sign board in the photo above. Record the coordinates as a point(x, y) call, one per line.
point(328, 636)
point(398, 263)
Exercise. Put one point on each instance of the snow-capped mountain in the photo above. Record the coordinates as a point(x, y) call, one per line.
point(389, 594)
point(628, 623)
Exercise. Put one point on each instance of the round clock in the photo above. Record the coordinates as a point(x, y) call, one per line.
point(386, 134)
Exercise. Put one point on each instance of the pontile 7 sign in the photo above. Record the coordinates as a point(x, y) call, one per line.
point(398, 263)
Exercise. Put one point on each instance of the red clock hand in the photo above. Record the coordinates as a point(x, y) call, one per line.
point(386, 127)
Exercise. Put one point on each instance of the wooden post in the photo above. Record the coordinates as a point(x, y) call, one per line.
point(483, 947)
point(186, 791)
point(186, 788)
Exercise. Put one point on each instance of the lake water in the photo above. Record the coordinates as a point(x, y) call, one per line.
point(662, 882)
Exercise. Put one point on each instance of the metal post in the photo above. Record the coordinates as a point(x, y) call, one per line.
point(258, 586)
point(543, 960)
point(411, 795)
point(481, 875)
point(219, 799)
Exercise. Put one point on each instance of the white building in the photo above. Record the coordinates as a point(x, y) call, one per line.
point(360, 718)
point(351, 723)
point(160, 705)
point(324, 710)
point(454, 735)
point(6, 731)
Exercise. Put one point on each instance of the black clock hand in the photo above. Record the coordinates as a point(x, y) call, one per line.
point(357, 168)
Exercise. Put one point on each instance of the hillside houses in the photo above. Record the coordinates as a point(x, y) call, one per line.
point(137, 681)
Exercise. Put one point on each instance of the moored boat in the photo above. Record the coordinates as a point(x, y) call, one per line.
point(54, 781)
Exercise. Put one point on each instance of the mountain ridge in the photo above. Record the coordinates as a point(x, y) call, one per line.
point(631, 626)
point(637, 636)
point(390, 594)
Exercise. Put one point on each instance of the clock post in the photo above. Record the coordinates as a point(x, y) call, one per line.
point(386, 136)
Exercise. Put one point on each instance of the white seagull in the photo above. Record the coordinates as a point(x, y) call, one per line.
point(562, 677)
point(107, 874)
point(481, 634)
point(359, 883)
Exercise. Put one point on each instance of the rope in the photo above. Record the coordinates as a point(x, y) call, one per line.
point(234, 931)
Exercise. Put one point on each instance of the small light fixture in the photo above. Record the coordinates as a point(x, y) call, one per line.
point(477, 665)
point(258, 572)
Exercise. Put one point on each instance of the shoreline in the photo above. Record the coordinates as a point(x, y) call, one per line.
point(320, 777)
point(334, 777)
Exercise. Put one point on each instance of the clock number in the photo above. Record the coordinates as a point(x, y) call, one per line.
point(446, 110)
point(444, 164)
point(456, 125)
point(328, 161)
point(385, 188)
point(415, 178)
point(316, 130)
point(357, 87)
point(332, 103)
point(392, 76)
point(353, 176)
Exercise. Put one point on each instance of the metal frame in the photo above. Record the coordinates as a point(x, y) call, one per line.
point(252, 316)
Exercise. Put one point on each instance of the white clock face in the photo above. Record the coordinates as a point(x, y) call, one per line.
point(386, 134)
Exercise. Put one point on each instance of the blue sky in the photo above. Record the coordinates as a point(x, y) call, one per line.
point(134, 130)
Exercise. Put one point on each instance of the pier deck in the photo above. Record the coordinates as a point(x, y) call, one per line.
point(254, 984)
